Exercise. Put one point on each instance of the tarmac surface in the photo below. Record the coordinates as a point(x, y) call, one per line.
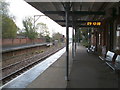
point(88, 71)
point(54, 76)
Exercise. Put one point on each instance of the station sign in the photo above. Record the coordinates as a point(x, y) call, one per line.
point(93, 23)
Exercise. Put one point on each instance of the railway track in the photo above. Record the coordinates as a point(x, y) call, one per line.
point(24, 61)
point(12, 65)
point(6, 78)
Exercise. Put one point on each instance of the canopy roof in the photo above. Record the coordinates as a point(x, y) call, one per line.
point(81, 11)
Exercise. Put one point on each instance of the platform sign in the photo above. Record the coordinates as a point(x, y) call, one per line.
point(93, 23)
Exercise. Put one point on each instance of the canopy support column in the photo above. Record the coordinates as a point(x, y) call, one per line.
point(67, 9)
point(75, 40)
point(73, 50)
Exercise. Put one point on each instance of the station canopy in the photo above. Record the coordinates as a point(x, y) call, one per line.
point(82, 12)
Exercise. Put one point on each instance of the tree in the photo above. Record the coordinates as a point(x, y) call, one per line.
point(84, 36)
point(48, 39)
point(29, 30)
point(4, 8)
point(42, 29)
point(58, 36)
point(9, 28)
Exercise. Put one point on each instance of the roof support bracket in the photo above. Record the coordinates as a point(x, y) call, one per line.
point(76, 12)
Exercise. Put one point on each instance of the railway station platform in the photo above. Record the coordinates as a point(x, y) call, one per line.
point(87, 71)
point(54, 76)
point(50, 73)
point(18, 47)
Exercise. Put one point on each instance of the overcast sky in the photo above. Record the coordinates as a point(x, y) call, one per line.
point(20, 9)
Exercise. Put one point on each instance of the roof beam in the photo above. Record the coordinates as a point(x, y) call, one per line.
point(78, 21)
point(81, 26)
point(76, 12)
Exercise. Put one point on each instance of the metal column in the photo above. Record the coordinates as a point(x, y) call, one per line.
point(79, 36)
point(73, 54)
point(75, 40)
point(67, 9)
point(89, 38)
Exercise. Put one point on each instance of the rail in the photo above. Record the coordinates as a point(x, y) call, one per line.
point(14, 74)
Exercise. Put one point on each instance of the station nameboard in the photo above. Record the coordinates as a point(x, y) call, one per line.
point(93, 23)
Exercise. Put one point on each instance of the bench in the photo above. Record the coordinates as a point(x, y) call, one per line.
point(115, 65)
point(91, 49)
point(109, 57)
point(117, 68)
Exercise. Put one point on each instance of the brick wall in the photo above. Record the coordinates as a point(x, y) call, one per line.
point(20, 41)
point(23, 41)
point(7, 42)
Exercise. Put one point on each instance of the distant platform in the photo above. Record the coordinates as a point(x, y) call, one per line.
point(8, 49)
